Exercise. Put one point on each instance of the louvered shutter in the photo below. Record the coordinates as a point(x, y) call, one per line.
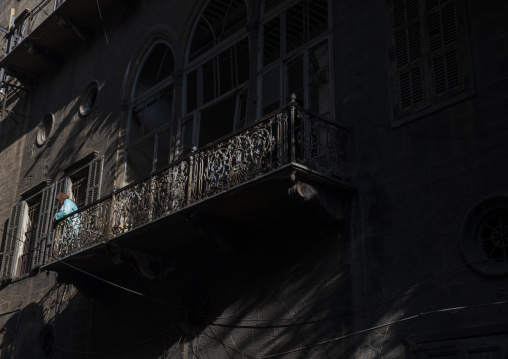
point(409, 62)
point(443, 33)
point(93, 190)
point(60, 186)
point(12, 239)
point(42, 235)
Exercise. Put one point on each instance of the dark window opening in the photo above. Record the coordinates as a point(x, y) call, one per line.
point(217, 121)
point(158, 66)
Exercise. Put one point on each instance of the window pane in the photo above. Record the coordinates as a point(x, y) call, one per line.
point(186, 135)
point(163, 139)
point(140, 160)
point(295, 27)
point(318, 17)
point(294, 78)
point(242, 61)
point(150, 114)
point(217, 121)
point(165, 106)
point(158, 66)
point(225, 71)
point(208, 81)
point(192, 90)
point(319, 82)
point(271, 91)
point(136, 130)
point(271, 38)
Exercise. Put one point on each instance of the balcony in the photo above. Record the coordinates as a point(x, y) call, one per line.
point(41, 37)
point(288, 167)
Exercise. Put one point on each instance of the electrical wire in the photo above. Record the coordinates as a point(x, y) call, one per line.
point(336, 339)
point(102, 23)
point(120, 287)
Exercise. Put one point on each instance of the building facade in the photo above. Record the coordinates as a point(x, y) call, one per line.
point(254, 179)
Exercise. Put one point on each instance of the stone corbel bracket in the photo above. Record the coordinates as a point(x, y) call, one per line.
point(324, 200)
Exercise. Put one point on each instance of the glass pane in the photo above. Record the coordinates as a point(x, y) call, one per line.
point(242, 61)
point(319, 79)
point(163, 140)
point(225, 71)
point(271, 91)
point(140, 160)
point(295, 27)
point(186, 135)
point(317, 18)
point(217, 121)
point(242, 107)
point(294, 80)
point(192, 90)
point(208, 82)
point(158, 66)
point(150, 119)
point(136, 130)
point(271, 39)
point(165, 106)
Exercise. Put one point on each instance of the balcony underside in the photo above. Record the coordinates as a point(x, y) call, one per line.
point(61, 32)
point(284, 206)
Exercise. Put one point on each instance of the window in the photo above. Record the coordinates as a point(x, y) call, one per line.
point(150, 118)
point(44, 129)
point(82, 181)
point(430, 60)
point(217, 75)
point(24, 247)
point(485, 240)
point(295, 58)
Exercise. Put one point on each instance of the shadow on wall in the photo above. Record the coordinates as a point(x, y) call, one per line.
point(278, 289)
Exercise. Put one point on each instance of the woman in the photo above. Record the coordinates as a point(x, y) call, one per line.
point(67, 206)
point(71, 230)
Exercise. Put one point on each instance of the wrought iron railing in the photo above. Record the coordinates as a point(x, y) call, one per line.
point(27, 21)
point(288, 136)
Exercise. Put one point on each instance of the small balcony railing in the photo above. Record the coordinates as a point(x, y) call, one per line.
point(27, 21)
point(290, 136)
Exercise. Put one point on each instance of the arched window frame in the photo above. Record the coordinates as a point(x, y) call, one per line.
point(190, 124)
point(160, 133)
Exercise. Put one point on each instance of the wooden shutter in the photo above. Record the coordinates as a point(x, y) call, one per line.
point(443, 34)
point(45, 218)
point(60, 186)
point(409, 62)
point(12, 239)
point(93, 190)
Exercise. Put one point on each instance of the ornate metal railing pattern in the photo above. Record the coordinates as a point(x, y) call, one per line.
point(82, 229)
point(291, 135)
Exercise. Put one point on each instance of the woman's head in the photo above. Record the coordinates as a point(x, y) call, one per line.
point(61, 197)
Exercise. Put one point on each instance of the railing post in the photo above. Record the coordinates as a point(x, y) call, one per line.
point(190, 180)
point(111, 216)
point(292, 110)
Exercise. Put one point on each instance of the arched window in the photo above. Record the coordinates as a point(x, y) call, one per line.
point(217, 74)
point(150, 116)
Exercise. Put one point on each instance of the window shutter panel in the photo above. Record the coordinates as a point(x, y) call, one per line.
point(45, 218)
point(447, 74)
point(60, 186)
point(408, 53)
point(12, 238)
point(93, 190)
